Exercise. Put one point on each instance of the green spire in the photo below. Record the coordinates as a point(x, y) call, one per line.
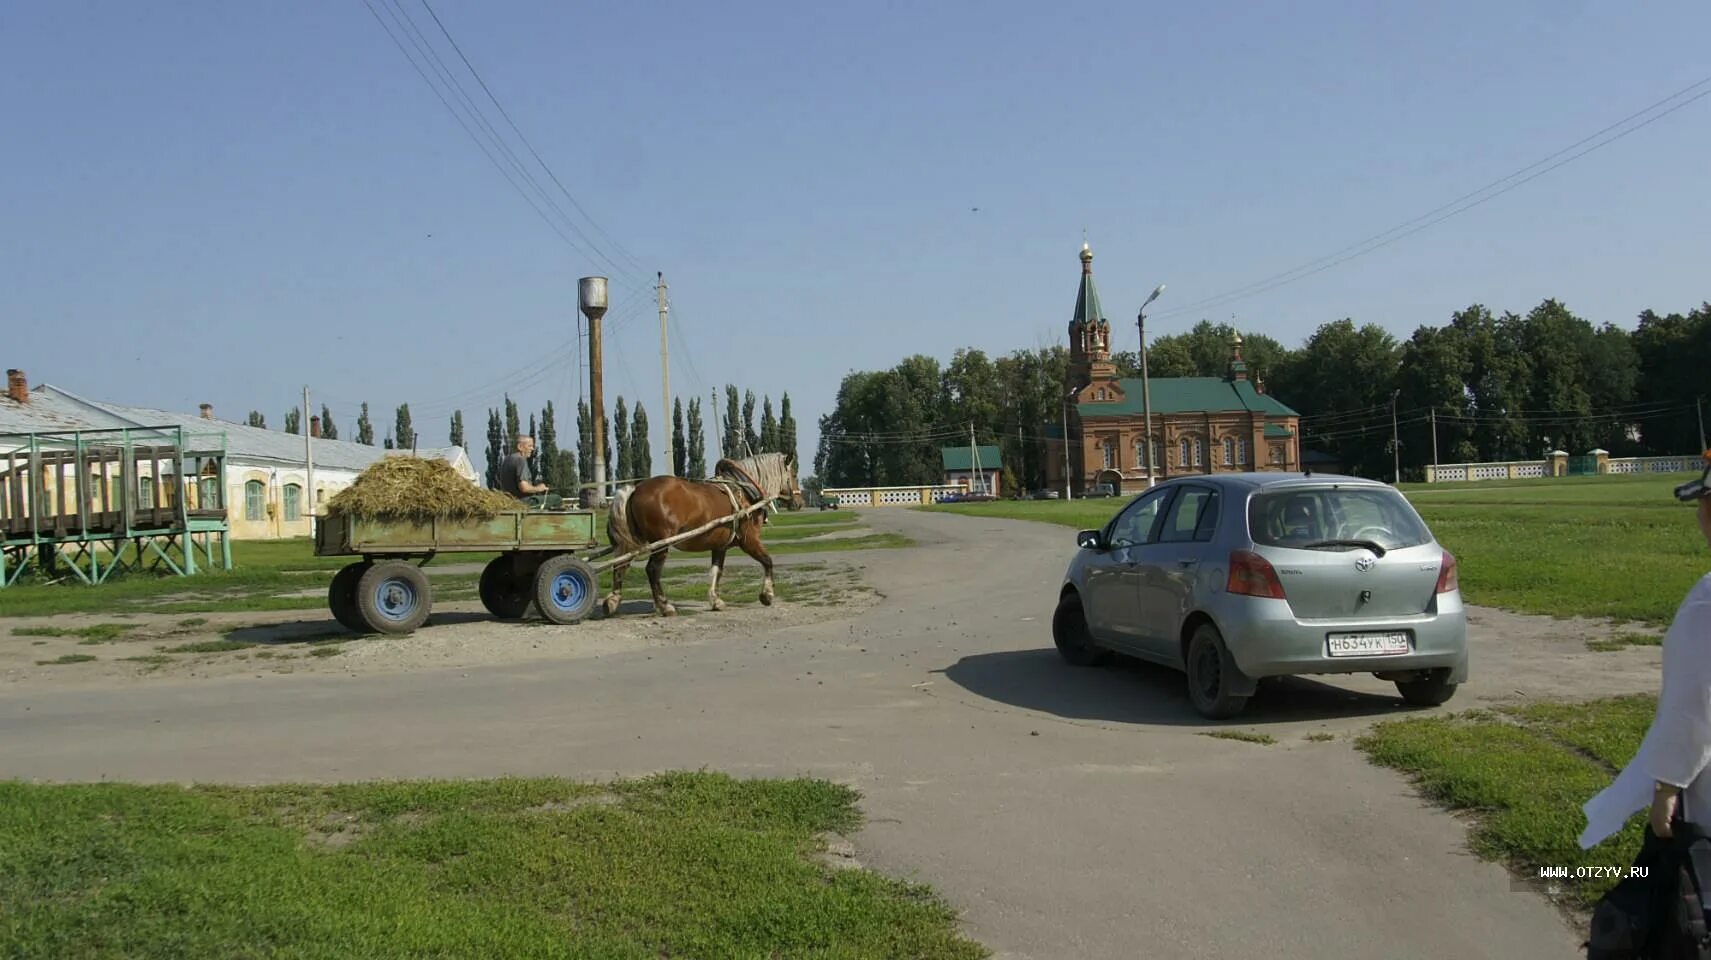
point(1087, 310)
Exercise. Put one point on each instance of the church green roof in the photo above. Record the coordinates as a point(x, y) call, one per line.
point(1189, 395)
point(1087, 309)
point(962, 458)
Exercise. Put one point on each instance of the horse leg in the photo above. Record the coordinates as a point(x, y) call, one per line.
point(713, 572)
point(616, 598)
point(751, 545)
point(656, 566)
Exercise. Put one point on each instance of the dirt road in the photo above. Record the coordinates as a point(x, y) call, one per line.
point(1068, 813)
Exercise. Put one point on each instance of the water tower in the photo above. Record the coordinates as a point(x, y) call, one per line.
point(591, 299)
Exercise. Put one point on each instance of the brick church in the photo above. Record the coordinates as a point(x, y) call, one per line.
point(1200, 424)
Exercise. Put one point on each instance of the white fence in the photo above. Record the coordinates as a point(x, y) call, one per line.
point(1558, 466)
point(892, 496)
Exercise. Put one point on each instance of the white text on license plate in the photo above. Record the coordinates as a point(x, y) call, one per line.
point(1366, 644)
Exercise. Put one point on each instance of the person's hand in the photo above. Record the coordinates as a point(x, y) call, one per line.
point(1664, 802)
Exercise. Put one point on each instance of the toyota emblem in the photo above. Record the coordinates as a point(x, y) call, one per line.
point(1363, 564)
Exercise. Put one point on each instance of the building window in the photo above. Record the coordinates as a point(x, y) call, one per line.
point(208, 493)
point(145, 491)
point(1108, 451)
point(1277, 453)
point(1191, 450)
point(1141, 453)
point(1182, 452)
point(1229, 452)
point(293, 502)
point(1241, 453)
point(255, 500)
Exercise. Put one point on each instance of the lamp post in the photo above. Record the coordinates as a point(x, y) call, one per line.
point(1395, 441)
point(1146, 385)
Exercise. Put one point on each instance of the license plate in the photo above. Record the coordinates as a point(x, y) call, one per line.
point(1366, 644)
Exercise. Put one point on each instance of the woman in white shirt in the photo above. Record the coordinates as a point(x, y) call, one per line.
point(1669, 770)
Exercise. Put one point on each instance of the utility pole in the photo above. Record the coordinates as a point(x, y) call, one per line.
point(1699, 412)
point(664, 380)
point(591, 295)
point(1146, 383)
point(1068, 493)
point(1395, 445)
point(1434, 436)
point(308, 457)
point(714, 406)
point(974, 460)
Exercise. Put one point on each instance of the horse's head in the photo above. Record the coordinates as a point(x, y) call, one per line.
point(792, 491)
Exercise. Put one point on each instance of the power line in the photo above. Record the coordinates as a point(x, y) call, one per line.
point(1411, 227)
point(531, 147)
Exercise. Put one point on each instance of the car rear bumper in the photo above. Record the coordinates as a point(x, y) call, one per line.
point(1267, 640)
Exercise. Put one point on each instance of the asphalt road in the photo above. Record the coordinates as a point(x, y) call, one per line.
point(1068, 813)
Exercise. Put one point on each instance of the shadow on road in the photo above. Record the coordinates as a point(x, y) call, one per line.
point(1132, 691)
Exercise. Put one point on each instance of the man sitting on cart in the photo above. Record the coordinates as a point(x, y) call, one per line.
point(515, 477)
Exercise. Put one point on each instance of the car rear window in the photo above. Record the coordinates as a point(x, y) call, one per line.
point(1298, 517)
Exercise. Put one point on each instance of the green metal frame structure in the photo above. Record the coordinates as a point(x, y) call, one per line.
point(95, 503)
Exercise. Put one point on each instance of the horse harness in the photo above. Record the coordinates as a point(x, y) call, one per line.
point(731, 484)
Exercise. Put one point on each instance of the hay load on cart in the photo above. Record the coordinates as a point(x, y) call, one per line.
point(402, 512)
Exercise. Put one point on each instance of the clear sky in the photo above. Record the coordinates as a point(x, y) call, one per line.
point(220, 202)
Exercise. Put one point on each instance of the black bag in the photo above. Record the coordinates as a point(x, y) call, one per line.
point(1686, 933)
point(1628, 920)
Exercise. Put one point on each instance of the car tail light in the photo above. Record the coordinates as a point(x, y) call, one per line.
point(1447, 578)
point(1251, 575)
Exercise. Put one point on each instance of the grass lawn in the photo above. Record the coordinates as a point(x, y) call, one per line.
point(678, 865)
point(1550, 546)
point(1523, 774)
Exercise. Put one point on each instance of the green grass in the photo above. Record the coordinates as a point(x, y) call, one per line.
point(677, 865)
point(99, 633)
point(1244, 736)
point(193, 622)
point(209, 646)
point(1523, 773)
point(1549, 546)
point(67, 658)
point(1622, 641)
point(326, 651)
point(1321, 737)
point(153, 659)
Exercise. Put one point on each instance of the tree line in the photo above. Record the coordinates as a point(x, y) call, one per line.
point(1481, 387)
point(628, 449)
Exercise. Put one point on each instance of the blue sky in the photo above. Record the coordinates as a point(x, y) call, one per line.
point(221, 202)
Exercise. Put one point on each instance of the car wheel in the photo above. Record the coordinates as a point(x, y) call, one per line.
point(1432, 691)
point(1209, 671)
point(1069, 631)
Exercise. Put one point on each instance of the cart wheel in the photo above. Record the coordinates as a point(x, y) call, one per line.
point(565, 589)
point(503, 593)
point(341, 596)
point(393, 597)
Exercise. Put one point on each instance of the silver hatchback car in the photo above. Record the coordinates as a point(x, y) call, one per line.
point(1233, 578)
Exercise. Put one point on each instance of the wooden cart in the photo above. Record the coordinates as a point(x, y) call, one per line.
point(385, 590)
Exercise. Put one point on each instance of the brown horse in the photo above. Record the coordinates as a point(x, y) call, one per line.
point(663, 507)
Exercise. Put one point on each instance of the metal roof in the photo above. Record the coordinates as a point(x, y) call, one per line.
point(1188, 395)
point(962, 458)
point(53, 409)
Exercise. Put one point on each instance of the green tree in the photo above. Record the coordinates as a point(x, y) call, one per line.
point(535, 457)
point(768, 427)
point(328, 430)
point(679, 441)
point(402, 432)
point(697, 467)
point(584, 442)
point(1432, 376)
point(1343, 368)
point(641, 453)
point(513, 423)
point(546, 448)
point(786, 429)
point(457, 428)
point(294, 420)
point(621, 437)
point(732, 446)
point(257, 420)
point(495, 447)
point(364, 428)
point(1673, 351)
point(750, 439)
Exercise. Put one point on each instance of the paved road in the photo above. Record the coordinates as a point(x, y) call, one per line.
point(1068, 813)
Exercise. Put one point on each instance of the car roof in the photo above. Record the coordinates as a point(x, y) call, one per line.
point(1268, 480)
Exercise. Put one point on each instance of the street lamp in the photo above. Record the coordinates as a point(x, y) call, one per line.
point(1146, 385)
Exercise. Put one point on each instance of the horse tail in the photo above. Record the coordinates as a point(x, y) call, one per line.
point(618, 530)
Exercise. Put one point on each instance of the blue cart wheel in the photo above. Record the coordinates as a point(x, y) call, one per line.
point(394, 597)
point(565, 589)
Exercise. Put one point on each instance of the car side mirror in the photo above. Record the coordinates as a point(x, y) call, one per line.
point(1090, 540)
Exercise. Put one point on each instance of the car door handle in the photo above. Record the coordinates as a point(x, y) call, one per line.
point(1188, 563)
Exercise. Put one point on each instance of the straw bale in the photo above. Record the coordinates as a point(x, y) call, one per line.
point(417, 489)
